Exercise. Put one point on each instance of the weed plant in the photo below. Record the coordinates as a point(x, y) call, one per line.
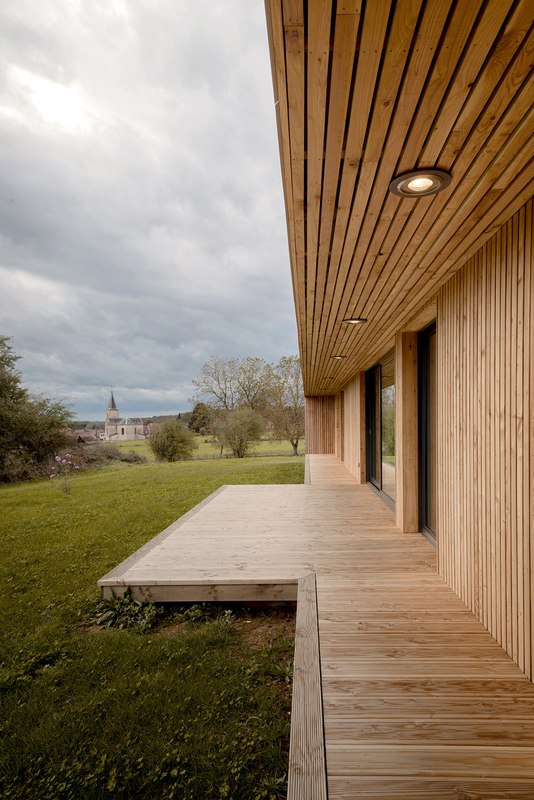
point(188, 709)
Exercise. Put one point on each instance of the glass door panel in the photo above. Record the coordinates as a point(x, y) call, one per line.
point(387, 413)
point(380, 400)
point(427, 431)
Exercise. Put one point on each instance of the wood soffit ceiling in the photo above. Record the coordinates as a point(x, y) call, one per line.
point(365, 91)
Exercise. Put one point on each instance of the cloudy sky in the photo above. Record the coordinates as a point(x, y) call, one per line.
point(142, 227)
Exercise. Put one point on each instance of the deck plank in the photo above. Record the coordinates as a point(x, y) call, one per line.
point(419, 701)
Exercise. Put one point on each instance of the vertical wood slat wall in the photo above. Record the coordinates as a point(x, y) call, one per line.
point(340, 424)
point(320, 425)
point(354, 427)
point(486, 433)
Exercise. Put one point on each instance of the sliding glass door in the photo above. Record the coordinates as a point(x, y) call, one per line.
point(380, 420)
point(374, 427)
point(427, 431)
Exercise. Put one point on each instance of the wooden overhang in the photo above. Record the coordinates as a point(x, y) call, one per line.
point(365, 91)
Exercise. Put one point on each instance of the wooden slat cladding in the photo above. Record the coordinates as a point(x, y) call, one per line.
point(368, 90)
point(486, 450)
point(320, 425)
point(354, 428)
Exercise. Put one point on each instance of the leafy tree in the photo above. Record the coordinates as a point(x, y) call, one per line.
point(228, 383)
point(285, 411)
point(201, 419)
point(173, 442)
point(238, 430)
point(31, 428)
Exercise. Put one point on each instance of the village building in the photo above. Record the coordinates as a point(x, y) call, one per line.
point(121, 430)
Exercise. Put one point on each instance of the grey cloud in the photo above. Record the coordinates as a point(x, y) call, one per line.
point(152, 237)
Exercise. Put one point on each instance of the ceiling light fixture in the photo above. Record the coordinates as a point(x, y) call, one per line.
point(338, 358)
point(420, 183)
point(354, 320)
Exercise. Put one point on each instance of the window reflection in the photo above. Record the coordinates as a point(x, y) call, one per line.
point(387, 414)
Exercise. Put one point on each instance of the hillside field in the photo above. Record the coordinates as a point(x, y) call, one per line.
point(196, 707)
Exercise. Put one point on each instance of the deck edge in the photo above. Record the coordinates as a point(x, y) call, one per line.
point(125, 565)
point(307, 776)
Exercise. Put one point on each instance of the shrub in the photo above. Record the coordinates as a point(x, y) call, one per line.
point(238, 430)
point(32, 428)
point(173, 442)
point(95, 455)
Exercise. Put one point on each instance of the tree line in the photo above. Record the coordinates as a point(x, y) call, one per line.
point(236, 402)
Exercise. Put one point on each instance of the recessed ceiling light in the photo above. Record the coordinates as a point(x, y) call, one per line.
point(338, 358)
point(354, 320)
point(420, 183)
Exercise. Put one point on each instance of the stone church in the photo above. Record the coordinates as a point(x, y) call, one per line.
point(121, 430)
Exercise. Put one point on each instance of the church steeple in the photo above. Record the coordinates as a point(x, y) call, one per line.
point(112, 417)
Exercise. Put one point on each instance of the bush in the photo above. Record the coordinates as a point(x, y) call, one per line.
point(173, 442)
point(238, 430)
point(20, 466)
point(32, 428)
point(96, 455)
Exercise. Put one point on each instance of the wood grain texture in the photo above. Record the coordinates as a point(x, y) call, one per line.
point(398, 86)
point(486, 435)
point(307, 764)
point(406, 435)
point(320, 425)
point(419, 700)
point(354, 428)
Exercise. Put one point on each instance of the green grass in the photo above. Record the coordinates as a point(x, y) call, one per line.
point(196, 712)
point(206, 450)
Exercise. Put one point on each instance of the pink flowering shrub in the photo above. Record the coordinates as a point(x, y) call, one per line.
point(62, 470)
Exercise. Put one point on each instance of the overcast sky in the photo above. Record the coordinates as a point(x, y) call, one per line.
point(142, 219)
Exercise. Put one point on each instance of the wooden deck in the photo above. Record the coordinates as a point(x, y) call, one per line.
point(419, 701)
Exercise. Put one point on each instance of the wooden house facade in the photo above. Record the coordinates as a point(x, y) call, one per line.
point(414, 312)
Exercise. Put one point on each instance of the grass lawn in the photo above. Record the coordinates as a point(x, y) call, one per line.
point(207, 450)
point(187, 710)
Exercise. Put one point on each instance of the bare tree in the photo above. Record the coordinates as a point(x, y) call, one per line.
point(218, 384)
point(253, 376)
point(285, 411)
point(227, 383)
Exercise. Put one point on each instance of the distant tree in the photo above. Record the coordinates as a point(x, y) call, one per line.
point(218, 383)
point(228, 383)
point(185, 418)
point(285, 410)
point(32, 428)
point(201, 419)
point(253, 376)
point(238, 430)
point(173, 442)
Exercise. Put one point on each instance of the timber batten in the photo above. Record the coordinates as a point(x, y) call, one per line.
point(320, 423)
point(369, 90)
point(486, 353)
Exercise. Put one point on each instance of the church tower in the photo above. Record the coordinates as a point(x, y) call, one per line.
point(112, 418)
point(121, 430)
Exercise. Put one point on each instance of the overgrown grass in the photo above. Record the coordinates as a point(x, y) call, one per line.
point(196, 712)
